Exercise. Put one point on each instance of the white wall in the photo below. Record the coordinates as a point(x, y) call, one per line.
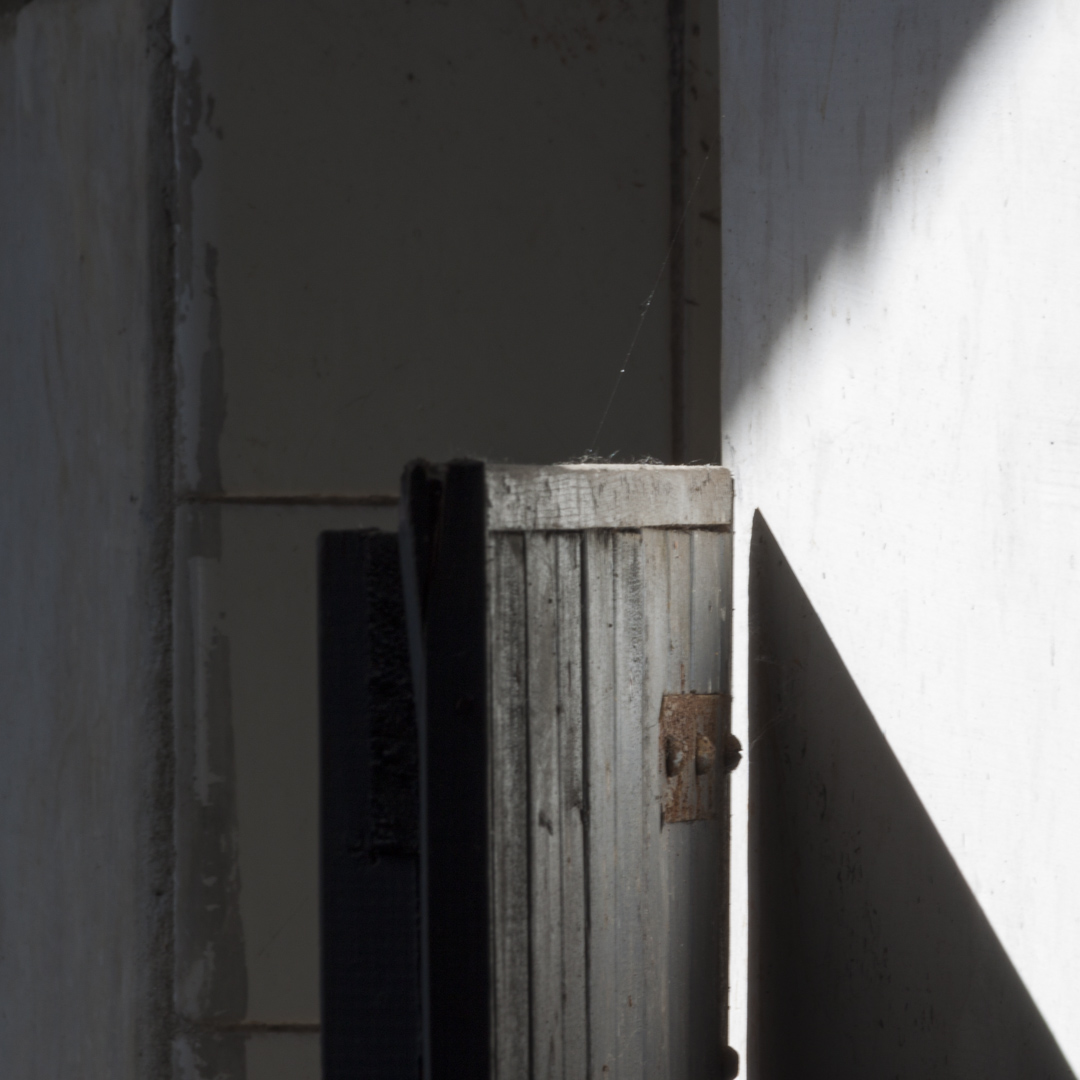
point(902, 404)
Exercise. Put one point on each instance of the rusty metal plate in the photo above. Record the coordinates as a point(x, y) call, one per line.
point(689, 757)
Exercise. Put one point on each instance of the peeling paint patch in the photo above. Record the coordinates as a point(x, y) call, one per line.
point(210, 1055)
point(211, 966)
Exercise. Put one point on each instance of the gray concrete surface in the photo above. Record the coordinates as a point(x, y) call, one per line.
point(85, 535)
point(418, 229)
point(247, 785)
point(400, 229)
point(404, 230)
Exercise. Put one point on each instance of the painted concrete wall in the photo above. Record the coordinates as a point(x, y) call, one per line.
point(404, 229)
point(85, 728)
point(901, 385)
point(247, 933)
point(416, 229)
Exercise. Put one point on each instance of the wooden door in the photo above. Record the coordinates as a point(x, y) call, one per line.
point(570, 633)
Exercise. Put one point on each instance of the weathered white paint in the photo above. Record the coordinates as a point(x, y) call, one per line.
point(902, 403)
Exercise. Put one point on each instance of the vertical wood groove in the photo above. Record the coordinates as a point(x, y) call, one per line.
point(573, 844)
point(586, 798)
point(706, 839)
point(656, 838)
point(679, 847)
point(629, 618)
point(508, 780)
point(600, 732)
point(611, 961)
point(545, 807)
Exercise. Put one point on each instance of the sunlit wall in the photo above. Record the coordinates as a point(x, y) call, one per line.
point(901, 401)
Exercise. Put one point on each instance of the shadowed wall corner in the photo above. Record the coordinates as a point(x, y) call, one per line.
point(869, 955)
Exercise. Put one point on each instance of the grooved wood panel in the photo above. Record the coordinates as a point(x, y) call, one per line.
point(607, 924)
point(596, 928)
point(508, 780)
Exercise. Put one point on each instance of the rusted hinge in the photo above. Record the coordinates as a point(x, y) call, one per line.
point(690, 729)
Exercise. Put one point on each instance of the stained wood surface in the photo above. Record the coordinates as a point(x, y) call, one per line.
point(577, 497)
point(629, 806)
point(618, 917)
point(605, 590)
point(509, 807)
point(570, 711)
point(601, 712)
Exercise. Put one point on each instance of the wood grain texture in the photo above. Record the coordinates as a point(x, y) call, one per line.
point(704, 840)
point(571, 752)
point(578, 497)
point(685, 636)
point(545, 807)
point(655, 838)
point(629, 805)
point(600, 719)
point(557, 888)
point(677, 854)
point(508, 781)
point(610, 916)
point(705, 601)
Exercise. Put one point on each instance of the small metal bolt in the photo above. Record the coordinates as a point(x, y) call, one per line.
point(674, 755)
point(732, 752)
point(706, 755)
point(729, 1063)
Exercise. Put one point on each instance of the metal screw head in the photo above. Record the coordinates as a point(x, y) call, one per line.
point(729, 1063)
point(732, 752)
point(674, 755)
point(706, 755)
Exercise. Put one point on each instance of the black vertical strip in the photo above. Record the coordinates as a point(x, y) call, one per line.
point(370, 932)
point(444, 536)
point(677, 273)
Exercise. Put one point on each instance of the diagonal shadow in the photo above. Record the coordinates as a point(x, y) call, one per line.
point(869, 955)
point(819, 100)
